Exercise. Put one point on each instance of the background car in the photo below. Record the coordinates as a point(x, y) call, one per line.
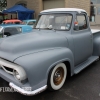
point(8, 30)
point(12, 21)
point(29, 22)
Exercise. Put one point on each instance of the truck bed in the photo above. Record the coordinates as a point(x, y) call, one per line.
point(95, 31)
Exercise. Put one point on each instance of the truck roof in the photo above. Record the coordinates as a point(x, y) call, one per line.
point(63, 9)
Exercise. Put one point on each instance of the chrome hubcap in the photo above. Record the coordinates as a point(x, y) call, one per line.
point(58, 76)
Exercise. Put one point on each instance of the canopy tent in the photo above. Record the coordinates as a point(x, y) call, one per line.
point(23, 13)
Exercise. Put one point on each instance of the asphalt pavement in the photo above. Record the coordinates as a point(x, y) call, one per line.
point(83, 86)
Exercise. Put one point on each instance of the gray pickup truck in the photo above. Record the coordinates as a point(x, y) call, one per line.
point(61, 44)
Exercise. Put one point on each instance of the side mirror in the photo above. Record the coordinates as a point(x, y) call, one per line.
point(50, 27)
point(76, 26)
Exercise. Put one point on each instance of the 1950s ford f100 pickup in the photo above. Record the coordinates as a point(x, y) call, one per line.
point(62, 44)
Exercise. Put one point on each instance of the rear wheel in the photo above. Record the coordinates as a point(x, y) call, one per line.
point(57, 77)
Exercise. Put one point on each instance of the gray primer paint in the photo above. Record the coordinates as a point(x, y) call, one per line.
point(40, 50)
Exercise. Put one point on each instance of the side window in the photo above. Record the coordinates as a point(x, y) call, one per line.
point(12, 31)
point(19, 29)
point(16, 22)
point(80, 23)
point(7, 31)
point(31, 23)
point(63, 22)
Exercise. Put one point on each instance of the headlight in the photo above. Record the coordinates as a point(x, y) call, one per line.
point(16, 75)
point(12, 68)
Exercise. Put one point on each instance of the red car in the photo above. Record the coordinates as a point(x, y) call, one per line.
point(12, 21)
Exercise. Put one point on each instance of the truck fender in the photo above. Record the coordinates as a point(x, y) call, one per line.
point(37, 65)
point(69, 58)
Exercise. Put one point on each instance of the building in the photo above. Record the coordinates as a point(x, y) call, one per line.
point(39, 5)
point(91, 6)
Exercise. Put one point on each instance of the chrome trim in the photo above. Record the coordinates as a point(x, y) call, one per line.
point(13, 66)
point(28, 93)
point(6, 70)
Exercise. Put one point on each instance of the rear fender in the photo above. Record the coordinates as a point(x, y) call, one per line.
point(96, 44)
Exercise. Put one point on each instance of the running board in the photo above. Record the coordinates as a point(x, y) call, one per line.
point(83, 65)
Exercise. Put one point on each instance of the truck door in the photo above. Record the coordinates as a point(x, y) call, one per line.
point(82, 39)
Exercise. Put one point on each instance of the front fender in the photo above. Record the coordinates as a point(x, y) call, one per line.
point(38, 65)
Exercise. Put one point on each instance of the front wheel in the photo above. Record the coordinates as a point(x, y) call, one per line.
point(57, 76)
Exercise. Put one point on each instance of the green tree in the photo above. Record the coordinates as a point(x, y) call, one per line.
point(3, 4)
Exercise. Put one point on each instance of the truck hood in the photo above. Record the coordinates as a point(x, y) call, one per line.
point(16, 46)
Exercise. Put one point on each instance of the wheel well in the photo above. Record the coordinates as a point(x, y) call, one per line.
point(50, 73)
point(68, 68)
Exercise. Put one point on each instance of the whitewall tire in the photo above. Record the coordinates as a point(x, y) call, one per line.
point(57, 76)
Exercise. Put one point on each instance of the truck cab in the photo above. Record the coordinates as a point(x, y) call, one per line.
point(74, 25)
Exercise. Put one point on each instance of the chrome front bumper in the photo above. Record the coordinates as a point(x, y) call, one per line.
point(28, 93)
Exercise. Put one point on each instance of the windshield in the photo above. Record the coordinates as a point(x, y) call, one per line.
point(54, 21)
